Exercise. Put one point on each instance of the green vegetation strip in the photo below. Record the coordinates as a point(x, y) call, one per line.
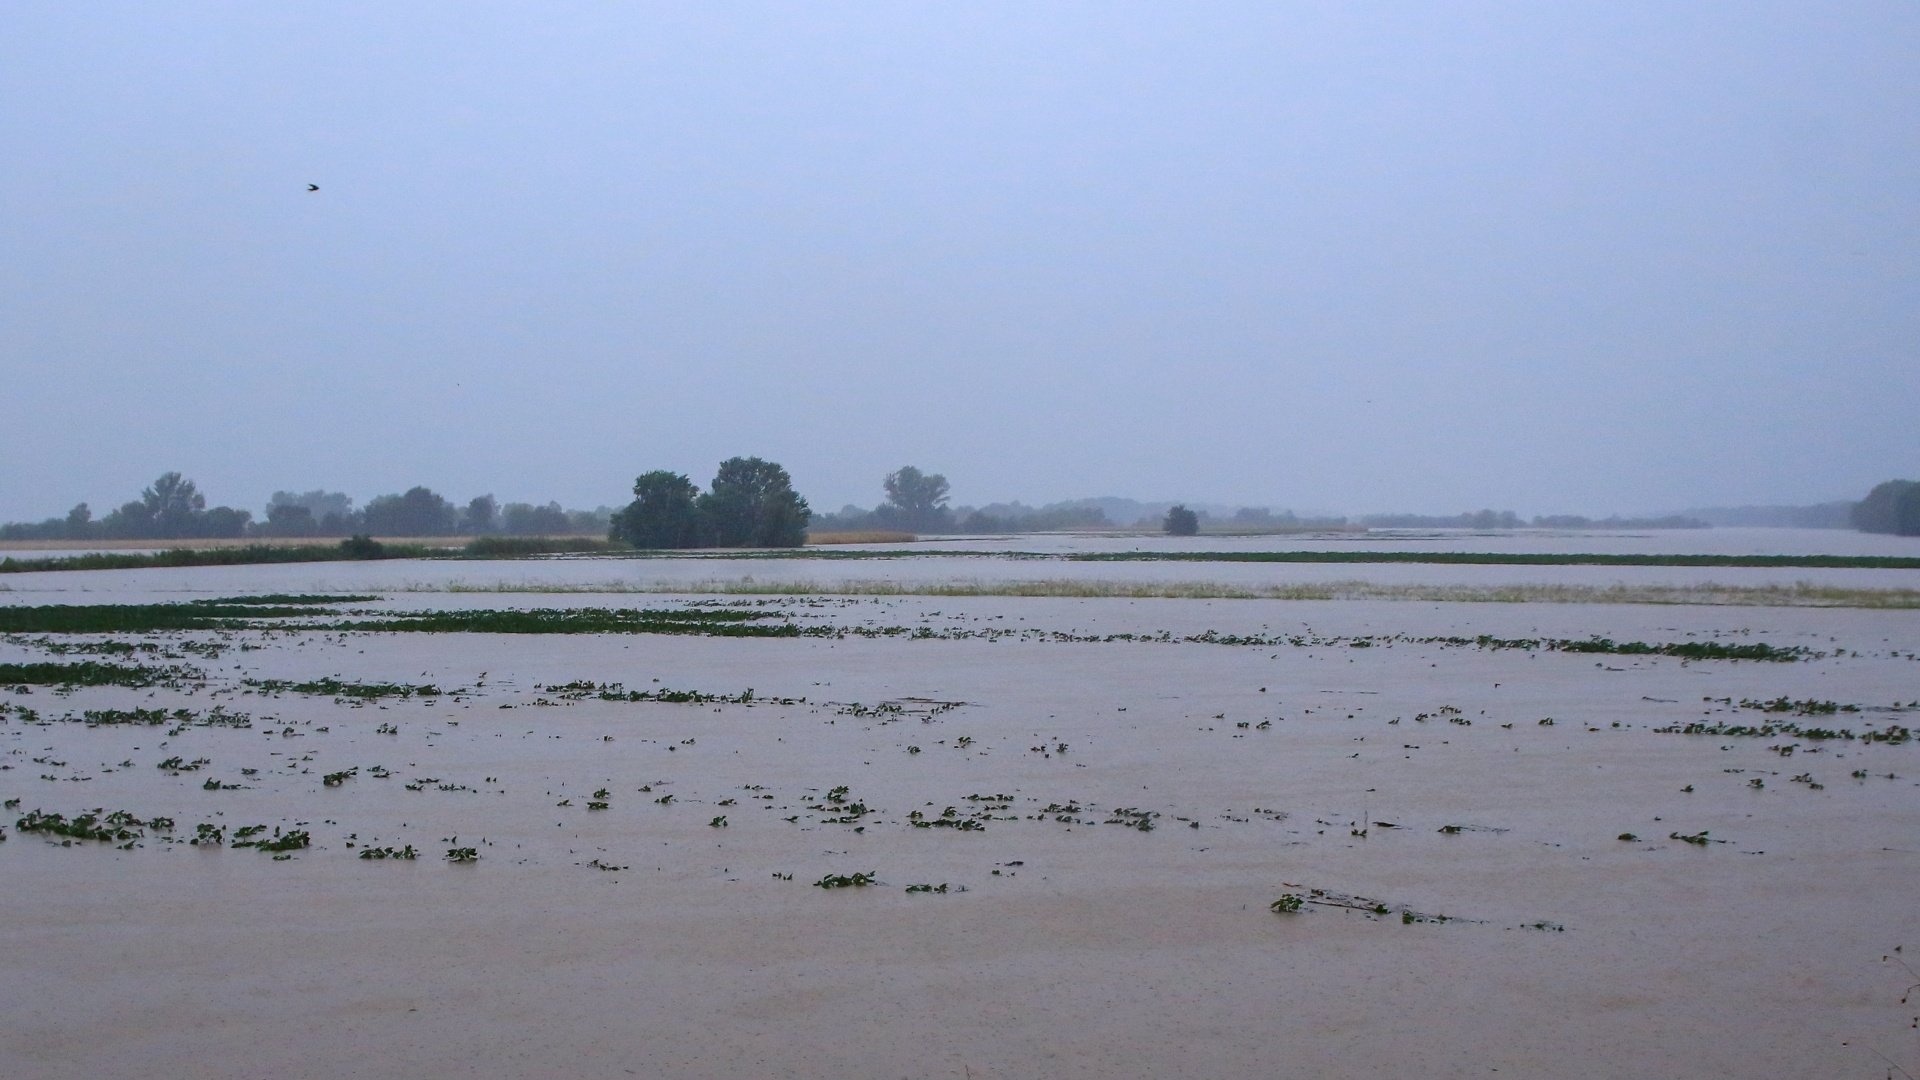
point(731, 622)
point(225, 615)
point(1895, 734)
point(139, 618)
point(284, 600)
point(585, 621)
point(93, 673)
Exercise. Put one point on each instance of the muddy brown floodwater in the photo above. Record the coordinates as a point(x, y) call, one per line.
point(1103, 798)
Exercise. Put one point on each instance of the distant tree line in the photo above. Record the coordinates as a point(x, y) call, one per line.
point(917, 502)
point(751, 503)
point(173, 508)
point(1017, 517)
point(1826, 515)
point(1575, 521)
point(420, 511)
point(1892, 507)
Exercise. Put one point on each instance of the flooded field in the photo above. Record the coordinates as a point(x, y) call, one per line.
point(553, 818)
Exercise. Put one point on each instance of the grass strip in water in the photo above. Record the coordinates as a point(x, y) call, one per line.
point(139, 618)
point(584, 621)
point(284, 599)
point(734, 623)
point(93, 673)
point(1801, 594)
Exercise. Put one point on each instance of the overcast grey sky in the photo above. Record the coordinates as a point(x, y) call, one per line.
point(1554, 257)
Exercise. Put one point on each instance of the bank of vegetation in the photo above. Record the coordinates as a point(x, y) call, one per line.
point(1892, 507)
point(354, 548)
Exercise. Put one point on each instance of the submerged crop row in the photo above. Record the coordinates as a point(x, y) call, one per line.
point(94, 673)
point(139, 618)
point(731, 622)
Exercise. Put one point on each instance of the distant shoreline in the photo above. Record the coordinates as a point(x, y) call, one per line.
point(230, 554)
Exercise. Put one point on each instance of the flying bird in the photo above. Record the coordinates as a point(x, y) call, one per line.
point(313, 187)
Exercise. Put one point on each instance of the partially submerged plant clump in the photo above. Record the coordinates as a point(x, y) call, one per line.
point(848, 881)
point(1295, 903)
point(1893, 734)
point(115, 827)
point(252, 836)
point(339, 688)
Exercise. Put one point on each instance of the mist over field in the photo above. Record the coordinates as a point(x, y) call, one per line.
point(1580, 258)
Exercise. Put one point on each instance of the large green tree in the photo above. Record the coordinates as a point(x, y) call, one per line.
point(752, 504)
point(173, 503)
point(1181, 521)
point(664, 513)
point(915, 500)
